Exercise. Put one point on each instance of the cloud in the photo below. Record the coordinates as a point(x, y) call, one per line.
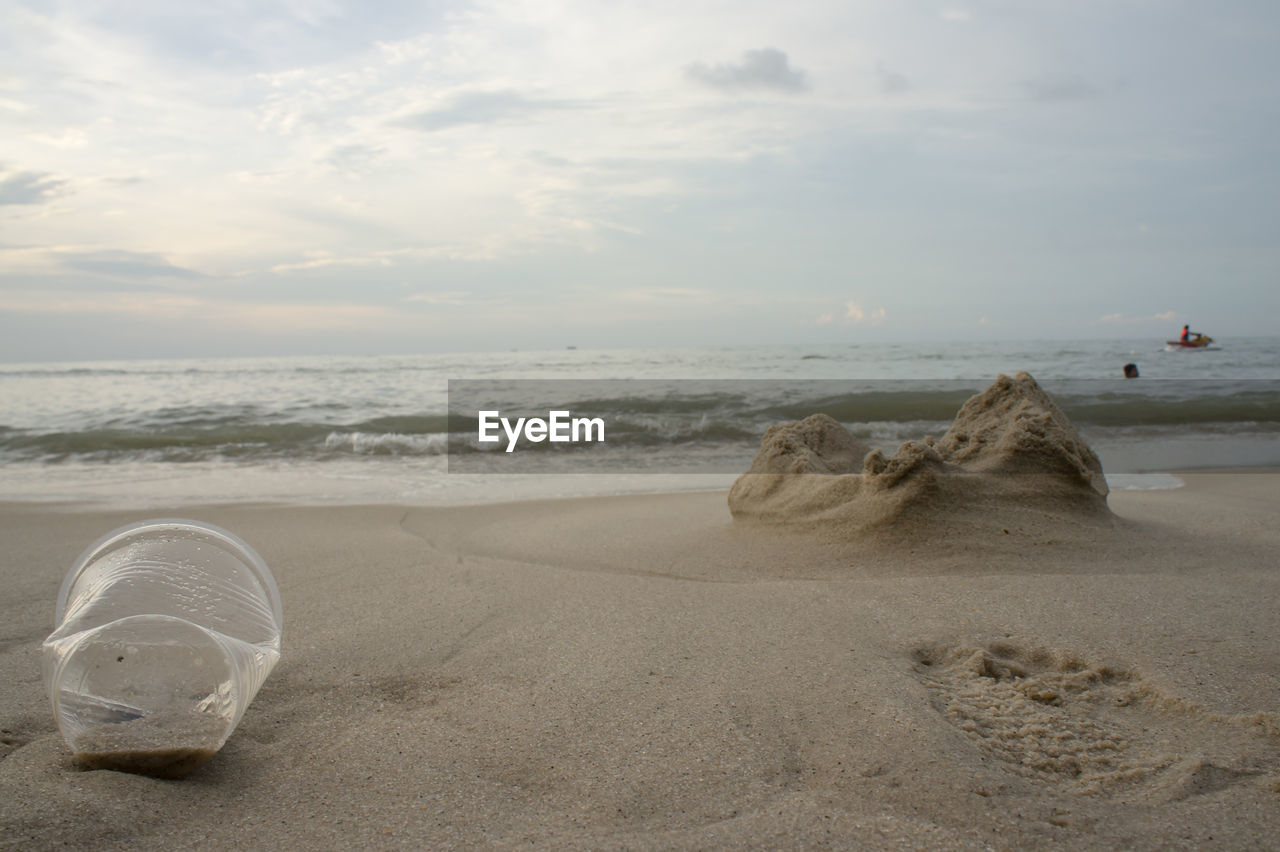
point(855, 315)
point(1052, 88)
point(480, 108)
point(28, 187)
point(125, 264)
point(271, 316)
point(141, 304)
point(319, 260)
point(57, 267)
point(258, 139)
point(767, 68)
point(445, 297)
point(1124, 319)
point(891, 82)
point(239, 36)
point(354, 159)
point(664, 294)
point(293, 317)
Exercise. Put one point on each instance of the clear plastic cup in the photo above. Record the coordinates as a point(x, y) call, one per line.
point(165, 630)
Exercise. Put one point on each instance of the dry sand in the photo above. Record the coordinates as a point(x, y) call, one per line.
point(1010, 460)
point(645, 672)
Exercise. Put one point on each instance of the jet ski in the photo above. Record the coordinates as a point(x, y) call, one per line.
point(1196, 341)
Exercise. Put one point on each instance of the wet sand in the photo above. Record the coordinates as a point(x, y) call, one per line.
point(645, 672)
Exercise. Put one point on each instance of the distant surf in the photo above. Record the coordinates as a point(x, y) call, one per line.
point(680, 410)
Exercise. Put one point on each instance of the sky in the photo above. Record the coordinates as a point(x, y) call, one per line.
point(322, 176)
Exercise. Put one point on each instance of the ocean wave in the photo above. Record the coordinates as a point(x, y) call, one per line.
point(664, 404)
point(387, 443)
point(414, 424)
point(869, 406)
point(710, 414)
point(55, 372)
point(193, 438)
point(1159, 406)
point(1243, 407)
point(229, 440)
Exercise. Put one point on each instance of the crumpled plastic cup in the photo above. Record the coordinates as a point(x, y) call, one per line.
point(164, 632)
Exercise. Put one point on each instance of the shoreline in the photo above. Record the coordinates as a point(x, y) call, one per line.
point(179, 502)
point(642, 671)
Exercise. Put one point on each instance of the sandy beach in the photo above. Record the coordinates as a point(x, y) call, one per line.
point(703, 426)
point(646, 672)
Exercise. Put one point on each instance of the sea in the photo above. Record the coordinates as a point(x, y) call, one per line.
point(403, 429)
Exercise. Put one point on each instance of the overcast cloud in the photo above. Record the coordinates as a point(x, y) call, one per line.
point(330, 176)
point(27, 187)
point(767, 68)
point(480, 108)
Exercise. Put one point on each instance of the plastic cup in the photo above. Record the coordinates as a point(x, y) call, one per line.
point(165, 630)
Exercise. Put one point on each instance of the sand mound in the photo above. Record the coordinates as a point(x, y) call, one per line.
point(816, 444)
point(1015, 427)
point(1011, 455)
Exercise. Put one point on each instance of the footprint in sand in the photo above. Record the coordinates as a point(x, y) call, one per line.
point(1055, 718)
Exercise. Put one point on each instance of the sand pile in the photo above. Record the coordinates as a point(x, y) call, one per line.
point(163, 745)
point(1011, 457)
point(816, 444)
